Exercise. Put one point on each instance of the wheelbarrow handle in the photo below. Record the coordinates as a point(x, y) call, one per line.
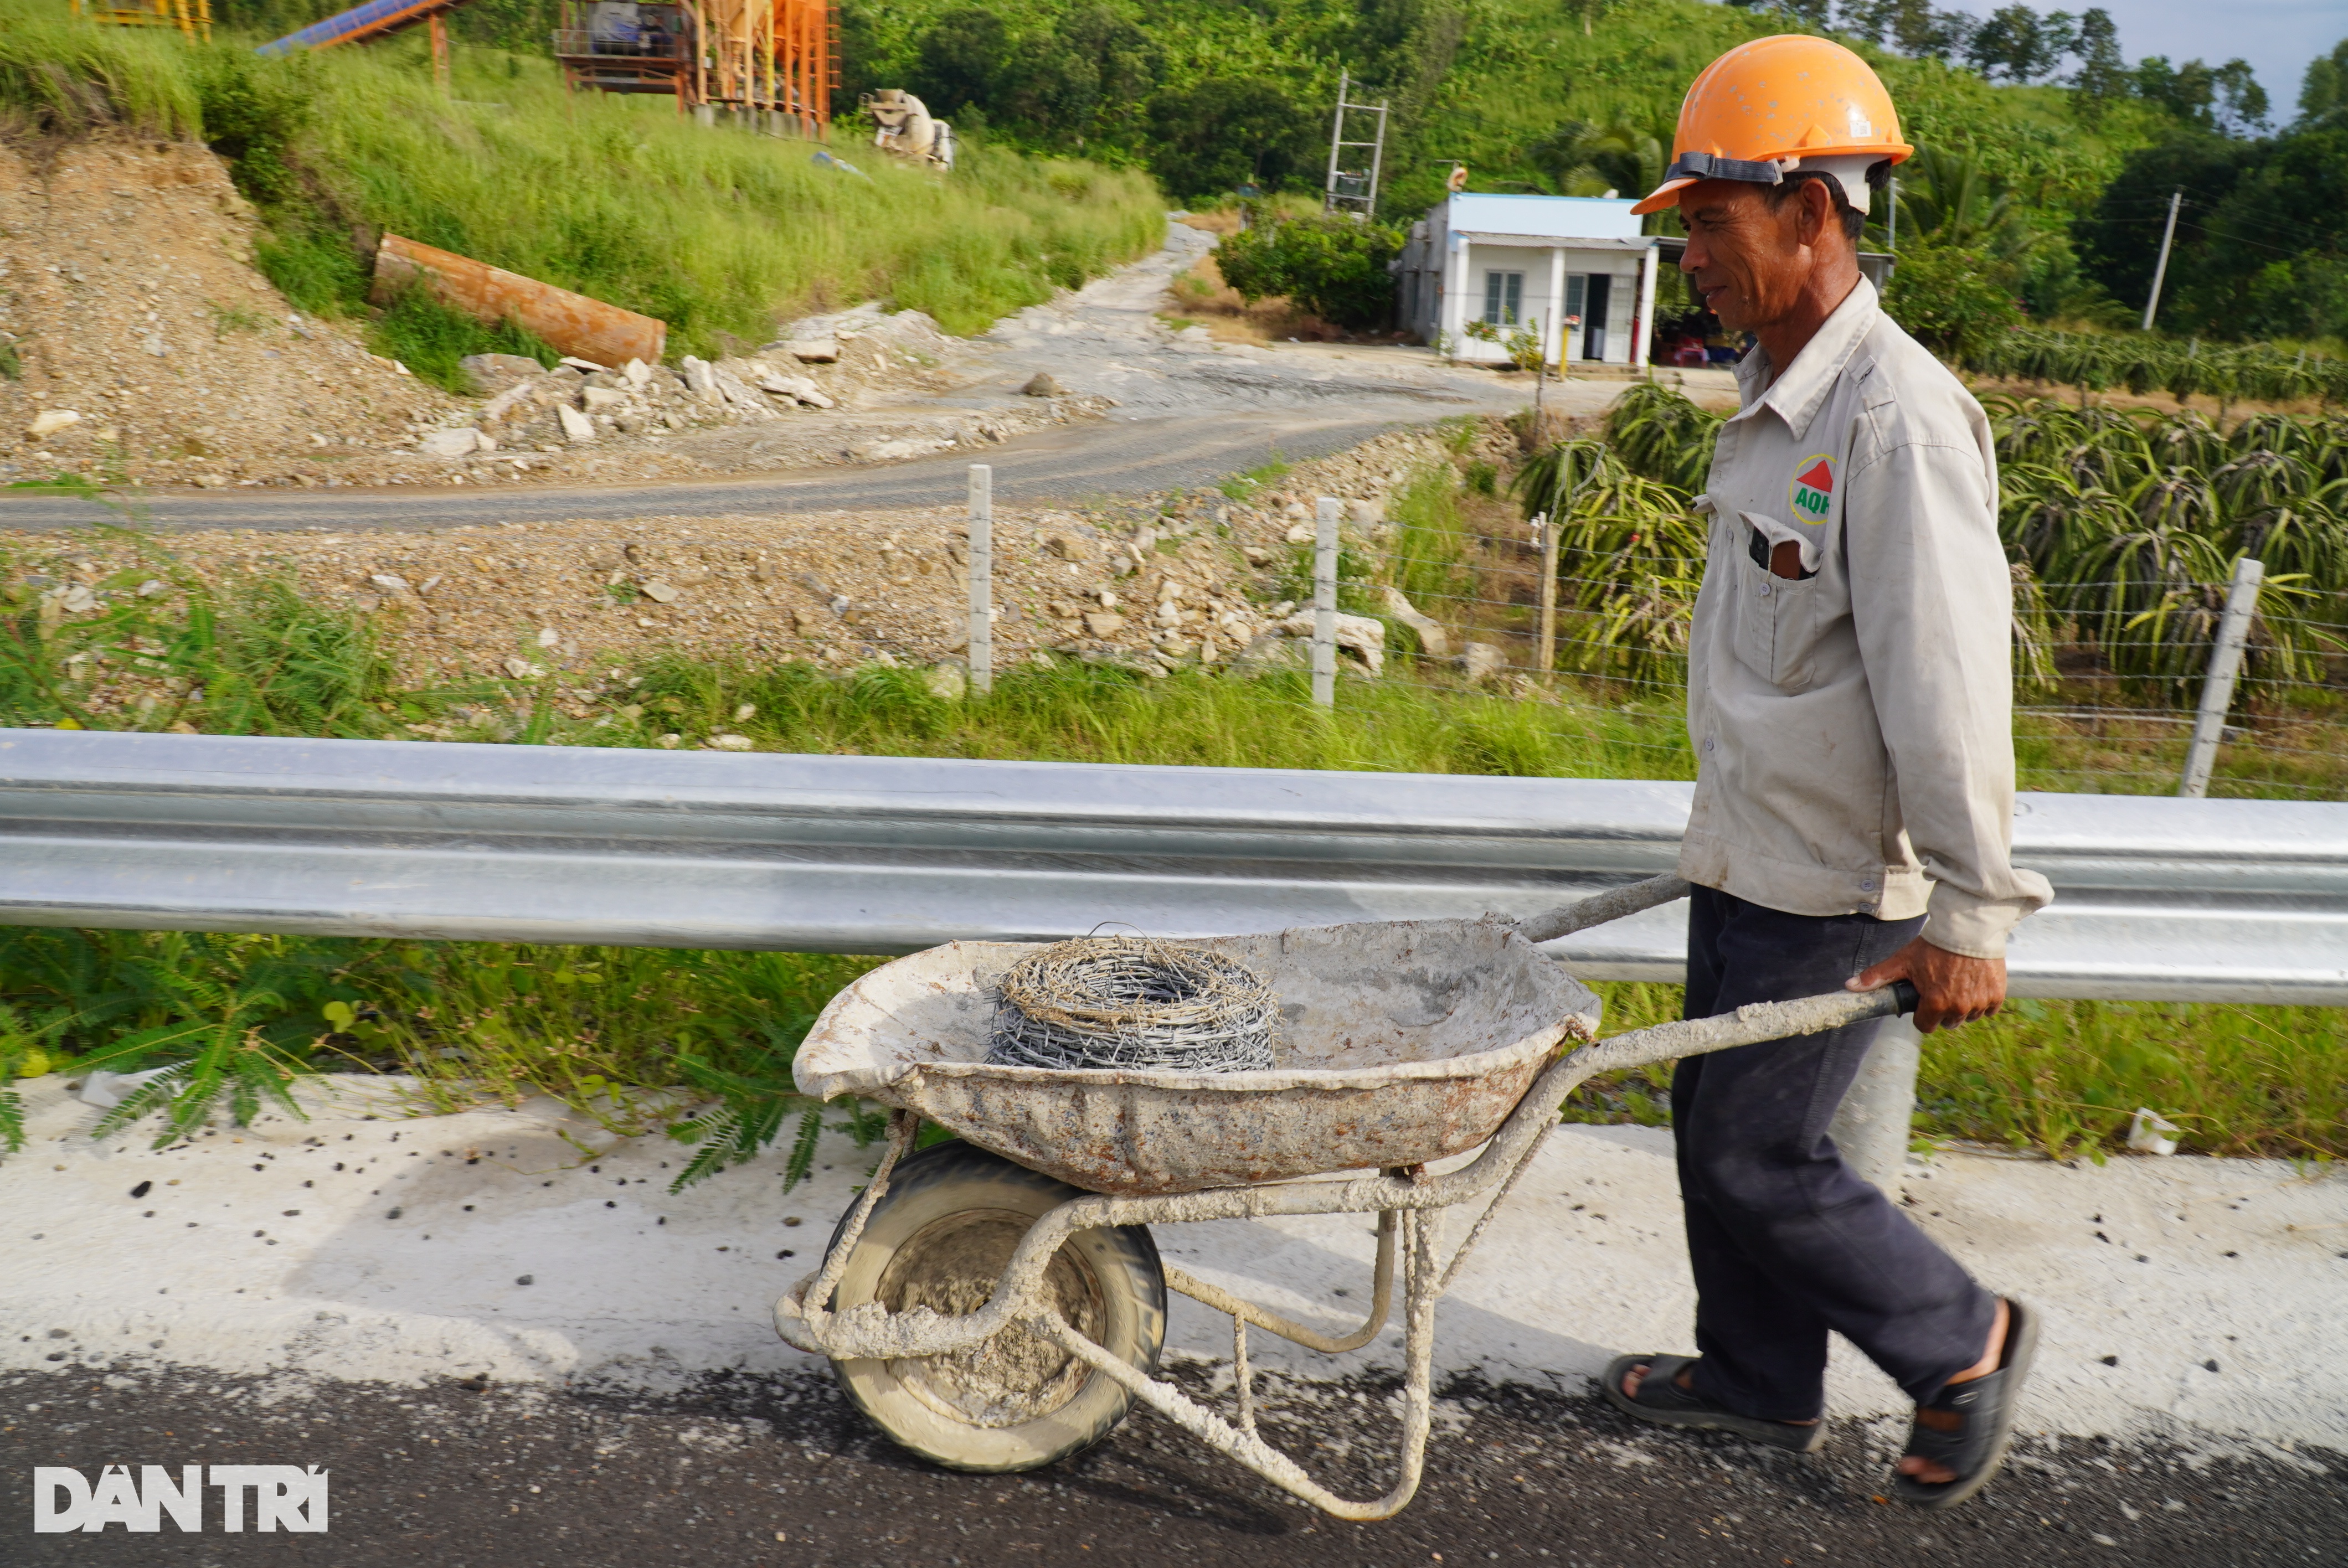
point(1598, 909)
point(1749, 1025)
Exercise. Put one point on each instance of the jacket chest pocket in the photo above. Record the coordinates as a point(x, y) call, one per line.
point(1777, 618)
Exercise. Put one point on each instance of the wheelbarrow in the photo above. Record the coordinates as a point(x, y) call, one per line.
point(997, 1303)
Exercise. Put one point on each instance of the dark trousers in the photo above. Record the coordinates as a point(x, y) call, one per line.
point(1787, 1241)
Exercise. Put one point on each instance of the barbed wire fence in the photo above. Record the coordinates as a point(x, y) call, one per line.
point(2102, 704)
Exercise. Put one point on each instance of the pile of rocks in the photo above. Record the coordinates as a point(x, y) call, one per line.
point(137, 340)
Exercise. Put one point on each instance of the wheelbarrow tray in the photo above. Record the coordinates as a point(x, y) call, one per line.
point(1400, 1042)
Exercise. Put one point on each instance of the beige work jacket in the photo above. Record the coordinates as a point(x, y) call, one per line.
point(1854, 729)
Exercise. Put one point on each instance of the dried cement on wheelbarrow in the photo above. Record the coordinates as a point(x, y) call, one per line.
point(1400, 1041)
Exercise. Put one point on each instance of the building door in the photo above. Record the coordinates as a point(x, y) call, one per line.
point(1594, 316)
point(1503, 298)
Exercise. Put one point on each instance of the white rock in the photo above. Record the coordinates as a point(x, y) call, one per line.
point(598, 398)
point(49, 421)
point(2148, 1133)
point(1365, 513)
point(813, 350)
point(1301, 533)
point(947, 682)
point(576, 426)
point(660, 592)
point(462, 442)
point(575, 362)
point(700, 378)
point(547, 637)
point(523, 669)
point(903, 447)
point(77, 600)
point(1364, 635)
point(1432, 641)
point(387, 581)
point(732, 744)
point(1481, 662)
point(638, 373)
point(1104, 623)
point(799, 388)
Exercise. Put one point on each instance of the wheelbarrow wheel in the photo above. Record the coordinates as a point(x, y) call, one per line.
point(939, 1239)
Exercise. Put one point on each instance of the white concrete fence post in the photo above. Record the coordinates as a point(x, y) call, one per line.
point(1324, 601)
point(2225, 668)
point(982, 578)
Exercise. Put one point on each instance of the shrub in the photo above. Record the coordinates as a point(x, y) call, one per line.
point(1328, 264)
point(1950, 300)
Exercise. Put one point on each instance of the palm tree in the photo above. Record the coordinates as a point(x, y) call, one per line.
point(1625, 156)
point(1949, 199)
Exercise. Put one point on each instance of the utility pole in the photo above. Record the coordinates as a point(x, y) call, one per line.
point(1362, 198)
point(2160, 268)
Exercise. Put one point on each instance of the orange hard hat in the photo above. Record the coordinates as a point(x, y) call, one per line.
point(1763, 107)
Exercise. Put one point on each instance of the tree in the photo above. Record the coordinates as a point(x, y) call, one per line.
point(962, 59)
point(1230, 131)
point(1095, 77)
point(2224, 99)
point(2102, 75)
point(2120, 239)
point(2020, 43)
point(1625, 156)
point(1948, 200)
point(2324, 94)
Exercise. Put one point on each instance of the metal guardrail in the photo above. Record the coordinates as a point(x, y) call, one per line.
point(2157, 898)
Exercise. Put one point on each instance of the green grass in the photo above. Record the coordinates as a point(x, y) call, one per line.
point(646, 1039)
point(717, 231)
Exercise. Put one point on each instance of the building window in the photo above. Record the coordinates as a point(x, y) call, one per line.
point(1576, 287)
point(1503, 298)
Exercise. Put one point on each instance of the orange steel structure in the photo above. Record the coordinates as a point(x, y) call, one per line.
point(772, 61)
point(193, 17)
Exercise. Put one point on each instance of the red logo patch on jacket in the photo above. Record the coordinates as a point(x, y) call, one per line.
point(1810, 496)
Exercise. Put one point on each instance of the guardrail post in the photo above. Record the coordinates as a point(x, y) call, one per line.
point(2217, 686)
point(1324, 602)
point(1873, 1125)
point(982, 578)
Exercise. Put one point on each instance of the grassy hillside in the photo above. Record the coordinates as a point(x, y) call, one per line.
point(716, 230)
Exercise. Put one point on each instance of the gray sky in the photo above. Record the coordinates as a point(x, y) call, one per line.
point(2278, 38)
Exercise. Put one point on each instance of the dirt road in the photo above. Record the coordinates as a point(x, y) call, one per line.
point(1069, 464)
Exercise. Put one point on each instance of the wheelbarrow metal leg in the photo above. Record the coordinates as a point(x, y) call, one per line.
point(1244, 1311)
point(1420, 1290)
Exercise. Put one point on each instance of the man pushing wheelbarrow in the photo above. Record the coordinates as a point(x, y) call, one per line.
point(998, 1302)
point(1849, 693)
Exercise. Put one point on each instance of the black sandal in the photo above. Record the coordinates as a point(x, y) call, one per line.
point(1661, 1400)
point(1986, 1407)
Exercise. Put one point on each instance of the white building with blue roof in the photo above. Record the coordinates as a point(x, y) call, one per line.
point(1573, 267)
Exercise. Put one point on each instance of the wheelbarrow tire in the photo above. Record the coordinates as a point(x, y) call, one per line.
point(939, 1239)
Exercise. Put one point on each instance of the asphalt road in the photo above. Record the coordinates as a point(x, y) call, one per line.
point(1074, 463)
point(779, 1472)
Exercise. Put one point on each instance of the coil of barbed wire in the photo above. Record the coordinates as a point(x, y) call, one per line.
point(1137, 1003)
